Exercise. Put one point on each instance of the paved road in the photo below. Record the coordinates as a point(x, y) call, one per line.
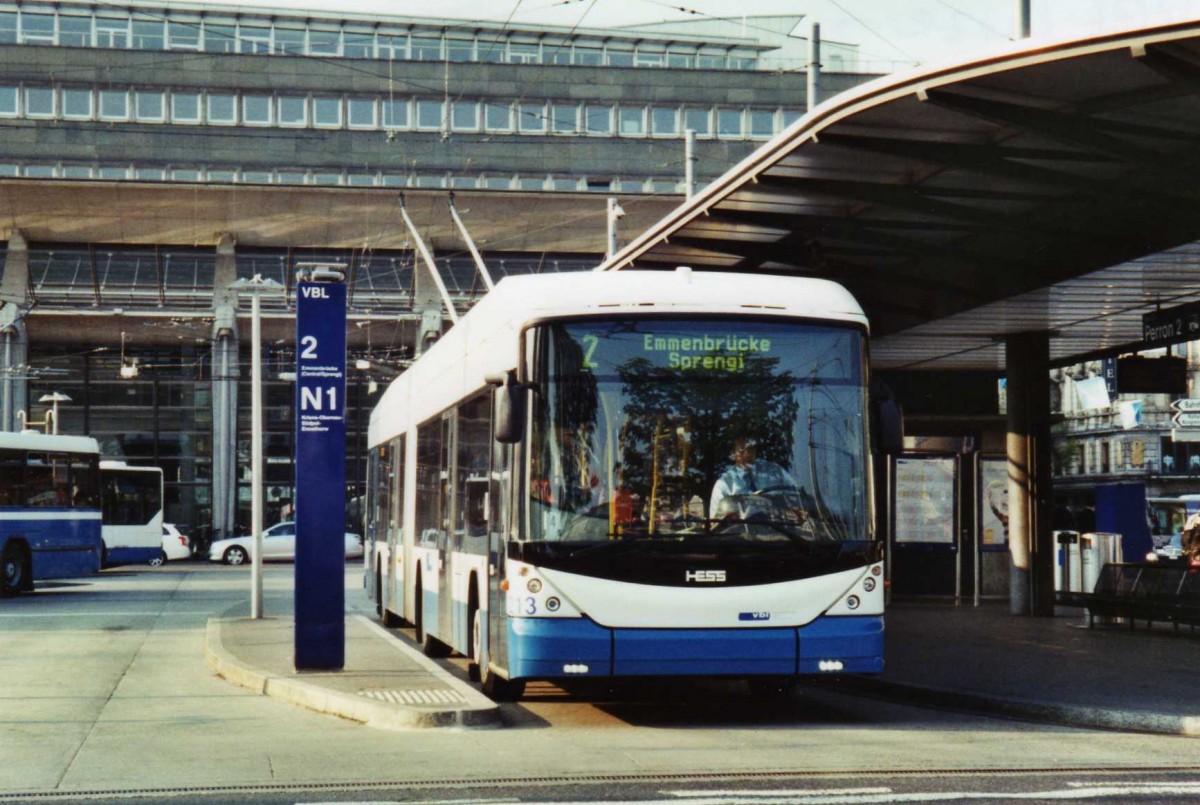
point(105, 688)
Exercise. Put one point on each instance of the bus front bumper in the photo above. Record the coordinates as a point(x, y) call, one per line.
point(558, 648)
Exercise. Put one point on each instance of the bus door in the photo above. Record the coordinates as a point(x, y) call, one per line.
point(472, 437)
point(394, 518)
point(500, 525)
point(446, 537)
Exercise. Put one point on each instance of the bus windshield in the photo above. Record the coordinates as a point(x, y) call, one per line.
point(741, 430)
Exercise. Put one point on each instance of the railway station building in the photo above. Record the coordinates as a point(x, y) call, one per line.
point(156, 158)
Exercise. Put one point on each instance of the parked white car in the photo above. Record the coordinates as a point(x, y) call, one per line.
point(279, 543)
point(175, 545)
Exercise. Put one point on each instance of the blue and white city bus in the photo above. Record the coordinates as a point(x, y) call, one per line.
point(131, 502)
point(49, 509)
point(634, 474)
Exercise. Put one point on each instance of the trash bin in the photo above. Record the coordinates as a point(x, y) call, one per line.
point(1067, 577)
point(1095, 550)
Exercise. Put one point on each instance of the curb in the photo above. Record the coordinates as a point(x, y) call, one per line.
point(1025, 709)
point(332, 702)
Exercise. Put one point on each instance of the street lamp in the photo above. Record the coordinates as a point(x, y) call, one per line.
point(255, 287)
point(54, 399)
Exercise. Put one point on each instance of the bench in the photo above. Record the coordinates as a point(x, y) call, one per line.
point(1167, 592)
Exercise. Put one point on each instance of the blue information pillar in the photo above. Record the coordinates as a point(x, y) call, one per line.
point(320, 475)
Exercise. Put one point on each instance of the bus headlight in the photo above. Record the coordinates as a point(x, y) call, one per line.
point(852, 602)
point(868, 584)
point(534, 585)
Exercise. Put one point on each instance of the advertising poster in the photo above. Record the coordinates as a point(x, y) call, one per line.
point(925, 500)
point(993, 503)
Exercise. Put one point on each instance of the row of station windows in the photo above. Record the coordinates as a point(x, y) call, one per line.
point(342, 178)
point(262, 36)
point(214, 108)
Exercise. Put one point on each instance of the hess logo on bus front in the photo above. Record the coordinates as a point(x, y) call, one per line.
point(704, 576)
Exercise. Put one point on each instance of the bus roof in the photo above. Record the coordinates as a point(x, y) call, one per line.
point(485, 340)
point(36, 440)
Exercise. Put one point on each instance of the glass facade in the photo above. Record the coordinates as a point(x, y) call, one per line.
point(162, 415)
point(161, 418)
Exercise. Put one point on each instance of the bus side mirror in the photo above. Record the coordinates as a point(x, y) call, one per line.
point(508, 407)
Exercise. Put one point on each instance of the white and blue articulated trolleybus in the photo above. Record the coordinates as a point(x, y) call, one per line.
point(634, 474)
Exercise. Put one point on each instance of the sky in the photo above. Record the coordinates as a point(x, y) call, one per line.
point(890, 33)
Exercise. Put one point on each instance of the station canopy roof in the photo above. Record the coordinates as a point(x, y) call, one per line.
point(1052, 186)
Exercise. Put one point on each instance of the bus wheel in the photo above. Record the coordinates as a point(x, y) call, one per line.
point(16, 570)
point(477, 627)
point(497, 688)
point(418, 611)
point(432, 647)
point(388, 618)
point(159, 560)
point(391, 620)
point(236, 555)
point(379, 593)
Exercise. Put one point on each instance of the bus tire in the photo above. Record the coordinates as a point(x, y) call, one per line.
point(379, 592)
point(476, 656)
point(432, 647)
point(418, 610)
point(497, 688)
point(235, 555)
point(14, 561)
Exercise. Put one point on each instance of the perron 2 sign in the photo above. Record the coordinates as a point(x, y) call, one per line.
point(320, 640)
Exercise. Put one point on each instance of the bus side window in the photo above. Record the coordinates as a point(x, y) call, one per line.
point(39, 480)
point(12, 485)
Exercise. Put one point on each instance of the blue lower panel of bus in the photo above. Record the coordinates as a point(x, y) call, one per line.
point(58, 548)
point(566, 647)
point(855, 642)
point(130, 556)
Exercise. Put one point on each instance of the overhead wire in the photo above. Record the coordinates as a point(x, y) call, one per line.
point(975, 19)
point(748, 24)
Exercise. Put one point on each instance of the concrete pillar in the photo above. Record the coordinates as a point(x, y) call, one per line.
point(1030, 496)
point(225, 374)
point(14, 341)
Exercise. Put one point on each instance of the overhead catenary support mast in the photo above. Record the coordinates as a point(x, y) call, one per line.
point(814, 65)
point(689, 163)
point(430, 266)
point(615, 213)
point(462, 229)
point(1023, 26)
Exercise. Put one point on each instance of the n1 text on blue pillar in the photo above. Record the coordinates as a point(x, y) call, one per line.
point(320, 640)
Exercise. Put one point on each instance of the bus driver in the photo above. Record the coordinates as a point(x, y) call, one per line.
point(749, 475)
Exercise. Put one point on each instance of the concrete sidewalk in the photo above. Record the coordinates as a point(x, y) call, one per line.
point(385, 682)
point(981, 659)
point(985, 659)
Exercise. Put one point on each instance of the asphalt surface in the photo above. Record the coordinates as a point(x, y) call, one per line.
point(981, 659)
